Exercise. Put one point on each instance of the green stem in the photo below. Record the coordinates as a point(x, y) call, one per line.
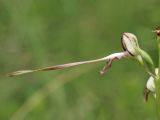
point(158, 39)
point(158, 84)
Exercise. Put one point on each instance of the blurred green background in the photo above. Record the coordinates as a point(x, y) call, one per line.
point(38, 33)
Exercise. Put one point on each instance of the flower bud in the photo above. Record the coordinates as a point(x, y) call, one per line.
point(147, 62)
point(150, 86)
point(157, 31)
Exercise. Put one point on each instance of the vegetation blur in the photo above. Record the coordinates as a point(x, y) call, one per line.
point(37, 33)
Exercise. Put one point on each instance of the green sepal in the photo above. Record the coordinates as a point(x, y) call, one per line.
point(146, 61)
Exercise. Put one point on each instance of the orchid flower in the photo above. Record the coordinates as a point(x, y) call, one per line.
point(129, 44)
point(131, 50)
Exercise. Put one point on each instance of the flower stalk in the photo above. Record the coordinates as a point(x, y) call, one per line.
point(157, 82)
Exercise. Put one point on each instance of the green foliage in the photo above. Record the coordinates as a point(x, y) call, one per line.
point(37, 33)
